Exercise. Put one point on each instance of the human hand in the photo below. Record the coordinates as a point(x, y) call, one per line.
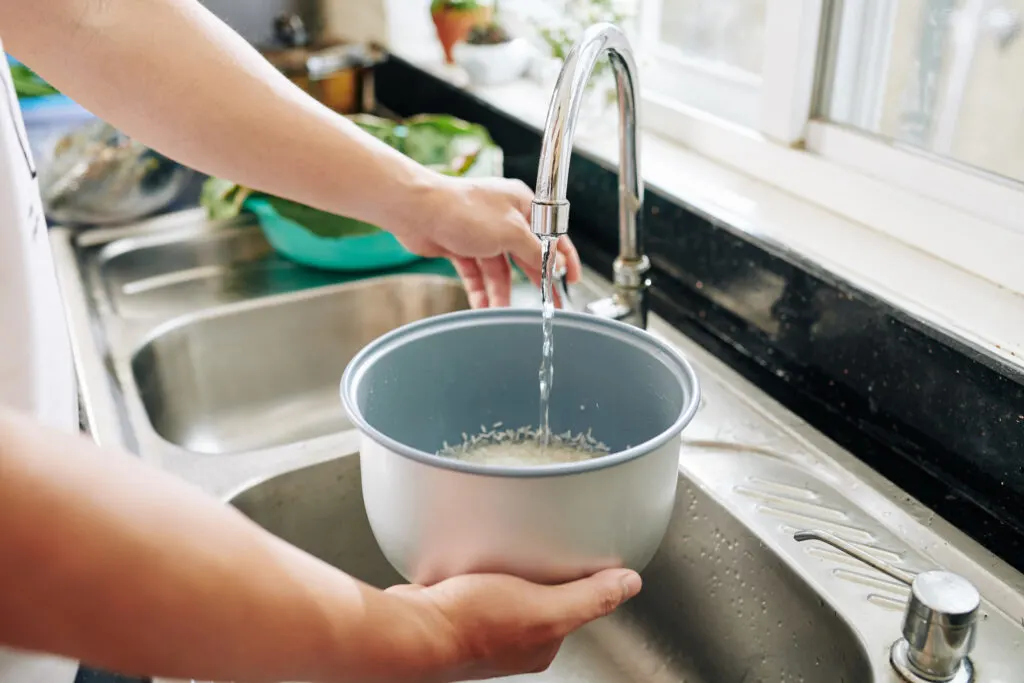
point(479, 223)
point(496, 625)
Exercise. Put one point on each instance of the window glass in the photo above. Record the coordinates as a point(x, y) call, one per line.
point(724, 32)
point(943, 76)
point(708, 54)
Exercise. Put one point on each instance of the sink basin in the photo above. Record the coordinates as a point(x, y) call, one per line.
point(155, 277)
point(174, 273)
point(717, 606)
point(192, 339)
point(265, 373)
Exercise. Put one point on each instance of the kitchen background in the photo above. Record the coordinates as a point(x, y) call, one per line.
point(928, 77)
point(937, 80)
point(919, 400)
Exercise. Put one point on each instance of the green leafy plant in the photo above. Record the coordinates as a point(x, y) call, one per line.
point(27, 84)
point(320, 223)
point(444, 143)
point(222, 198)
point(455, 5)
point(488, 34)
point(575, 18)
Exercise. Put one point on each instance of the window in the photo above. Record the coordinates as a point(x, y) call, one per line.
point(922, 97)
point(942, 76)
point(707, 54)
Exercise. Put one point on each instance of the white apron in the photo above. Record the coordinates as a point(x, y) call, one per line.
point(36, 369)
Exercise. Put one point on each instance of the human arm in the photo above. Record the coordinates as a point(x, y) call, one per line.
point(172, 75)
point(109, 561)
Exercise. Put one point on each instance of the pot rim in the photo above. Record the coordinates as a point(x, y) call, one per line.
point(357, 367)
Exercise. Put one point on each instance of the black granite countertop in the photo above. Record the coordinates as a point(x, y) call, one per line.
point(87, 675)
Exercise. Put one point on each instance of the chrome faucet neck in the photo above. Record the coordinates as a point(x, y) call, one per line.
point(550, 209)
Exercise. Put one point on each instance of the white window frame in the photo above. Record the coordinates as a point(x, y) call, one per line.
point(776, 102)
point(730, 92)
point(964, 216)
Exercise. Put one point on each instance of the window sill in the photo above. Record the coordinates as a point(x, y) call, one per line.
point(986, 315)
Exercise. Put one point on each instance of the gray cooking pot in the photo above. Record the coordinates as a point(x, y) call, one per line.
point(429, 382)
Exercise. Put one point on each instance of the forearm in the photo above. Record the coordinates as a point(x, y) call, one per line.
point(123, 567)
point(152, 69)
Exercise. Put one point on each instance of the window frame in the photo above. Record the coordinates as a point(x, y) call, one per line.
point(731, 92)
point(963, 215)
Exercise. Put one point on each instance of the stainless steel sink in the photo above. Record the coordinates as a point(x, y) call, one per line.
point(153, 274)
point(166, 270)
point(203, 341)
point(252, 377)
point(718, 605)
point(207, 355)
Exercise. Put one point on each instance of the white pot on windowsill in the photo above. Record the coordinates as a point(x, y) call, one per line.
point(494, 64)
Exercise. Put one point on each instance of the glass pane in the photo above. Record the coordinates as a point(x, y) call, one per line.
point(729, 32)
point(941, 75)
point(707, 54)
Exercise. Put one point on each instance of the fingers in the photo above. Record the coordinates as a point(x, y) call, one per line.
point(574, 604)
point(502, 625)
point(570, 258)
point(533, 275)
point(523, 245)
point(526, 249)
point(528, 256)
point(473, 280)
point(546, 656)
point(487, 276)
point(566, 258)
point(523, 195)
point(497, 276)
point(488, 281)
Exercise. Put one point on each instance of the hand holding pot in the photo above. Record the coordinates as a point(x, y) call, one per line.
point(496, 625)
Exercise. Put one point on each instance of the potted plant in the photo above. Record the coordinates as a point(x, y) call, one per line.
point(560, 36)
point(491, 56)
point(454, 19)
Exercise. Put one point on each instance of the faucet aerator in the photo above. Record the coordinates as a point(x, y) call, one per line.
point(549, 219)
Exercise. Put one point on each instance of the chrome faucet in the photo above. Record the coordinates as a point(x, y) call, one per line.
point(550, 211)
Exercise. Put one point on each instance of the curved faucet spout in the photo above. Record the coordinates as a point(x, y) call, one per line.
point(551, 208)
point(549, 215)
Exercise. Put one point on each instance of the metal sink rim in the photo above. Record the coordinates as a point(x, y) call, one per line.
point(185, 320)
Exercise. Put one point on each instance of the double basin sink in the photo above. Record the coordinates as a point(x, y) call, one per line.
point(204, 353)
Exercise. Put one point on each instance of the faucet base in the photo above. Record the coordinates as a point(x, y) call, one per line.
point(611, 307)
point(627, 304)
point(630, 273)
point(899, 656)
